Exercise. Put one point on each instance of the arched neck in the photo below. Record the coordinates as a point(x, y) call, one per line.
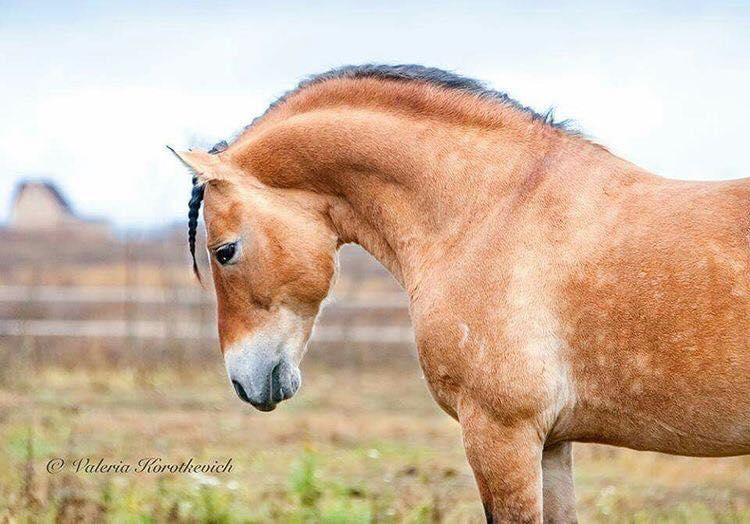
point(404, 188)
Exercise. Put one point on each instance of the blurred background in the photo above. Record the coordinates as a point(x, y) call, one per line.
point(108, 346)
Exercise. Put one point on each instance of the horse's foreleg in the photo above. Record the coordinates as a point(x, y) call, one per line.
point(557, 474)
point(507, 464)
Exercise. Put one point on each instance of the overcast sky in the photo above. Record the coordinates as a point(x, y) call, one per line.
point(89, 94)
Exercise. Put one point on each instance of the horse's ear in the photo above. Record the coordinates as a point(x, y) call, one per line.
point(201, 164)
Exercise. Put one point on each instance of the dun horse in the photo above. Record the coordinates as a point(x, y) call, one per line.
point(558, 293)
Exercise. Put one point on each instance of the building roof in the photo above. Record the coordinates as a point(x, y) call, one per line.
point(46, 184)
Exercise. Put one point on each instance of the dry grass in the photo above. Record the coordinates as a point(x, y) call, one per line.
point(353, 446)
point(362, 442)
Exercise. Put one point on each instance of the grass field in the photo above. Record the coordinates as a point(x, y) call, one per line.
point(355, 445)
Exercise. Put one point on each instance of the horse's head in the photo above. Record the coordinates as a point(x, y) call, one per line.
point(273, 258)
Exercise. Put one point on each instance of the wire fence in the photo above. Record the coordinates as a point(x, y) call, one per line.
point(132, 296)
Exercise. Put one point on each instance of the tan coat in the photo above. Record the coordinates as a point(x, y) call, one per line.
point(558, 293)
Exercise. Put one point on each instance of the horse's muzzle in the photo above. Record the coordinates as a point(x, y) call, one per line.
point(262, 383)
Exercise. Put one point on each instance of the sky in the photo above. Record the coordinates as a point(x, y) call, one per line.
point(90, 92)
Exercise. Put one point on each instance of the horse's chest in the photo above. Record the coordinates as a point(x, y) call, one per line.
point(511, 364)
point(442, 366)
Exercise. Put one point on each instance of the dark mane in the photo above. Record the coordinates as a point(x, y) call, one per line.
point(430, 75)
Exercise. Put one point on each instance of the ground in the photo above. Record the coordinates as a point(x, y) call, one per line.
point(355, 445)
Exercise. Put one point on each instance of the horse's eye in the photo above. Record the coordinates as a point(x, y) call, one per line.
point(225, 253)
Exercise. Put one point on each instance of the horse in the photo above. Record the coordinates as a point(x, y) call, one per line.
point(557, 293)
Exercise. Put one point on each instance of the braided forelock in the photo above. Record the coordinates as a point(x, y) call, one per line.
point(194, 207)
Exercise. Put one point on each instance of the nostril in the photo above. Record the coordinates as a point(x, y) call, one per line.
point(240, 391)
point(277, 392)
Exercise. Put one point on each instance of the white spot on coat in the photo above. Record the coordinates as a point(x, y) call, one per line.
point(465, 334)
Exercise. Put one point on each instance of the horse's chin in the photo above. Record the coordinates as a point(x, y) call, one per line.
point(265, 407)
